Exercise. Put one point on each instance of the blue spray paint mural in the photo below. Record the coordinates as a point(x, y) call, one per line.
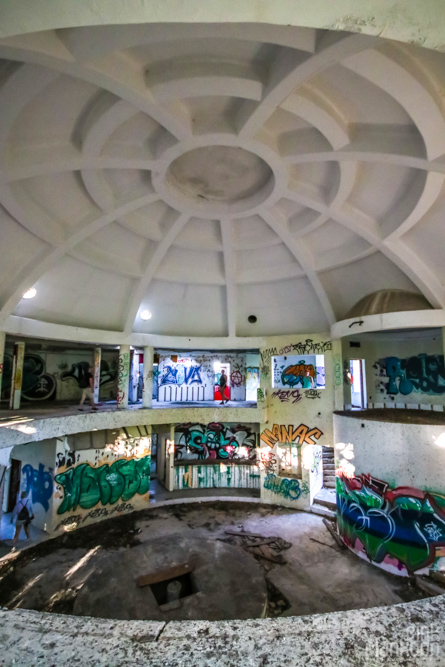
point(180, 375)
point(423, 373)
point(39, 482)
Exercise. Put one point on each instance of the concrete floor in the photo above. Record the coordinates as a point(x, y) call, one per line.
point(318, 576)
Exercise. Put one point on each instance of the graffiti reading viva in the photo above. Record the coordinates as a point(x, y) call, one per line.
point(85, 486)
point(281, 433)
point(403, 523)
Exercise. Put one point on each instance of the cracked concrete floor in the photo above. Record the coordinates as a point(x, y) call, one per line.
point(318, 576)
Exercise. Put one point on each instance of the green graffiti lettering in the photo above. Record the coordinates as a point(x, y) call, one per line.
point(86, 486)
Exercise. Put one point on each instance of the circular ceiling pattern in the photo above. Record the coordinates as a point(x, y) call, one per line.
point(208, 172)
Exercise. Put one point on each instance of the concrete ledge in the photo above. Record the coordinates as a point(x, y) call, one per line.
point(32, 429)
point(410, 634)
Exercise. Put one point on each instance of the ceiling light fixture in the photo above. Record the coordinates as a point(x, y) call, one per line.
point(145, 315)
point(30, 294)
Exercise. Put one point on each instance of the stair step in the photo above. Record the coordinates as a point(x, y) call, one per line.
point(329, 485)
point(330, 504)
point(328, 466)
point(329, 477)
point(322, 511)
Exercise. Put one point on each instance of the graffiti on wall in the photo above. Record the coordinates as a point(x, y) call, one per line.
point(337, 370)
point(261, 396)
point(268, 461)
point(281, 433)
point(301, 373)
point(180, 375)
point(214, 441)
point(37, 384)
point(423, 373)
point(216, 476)
point(312, 393)
point(39, 482)
point(285, 395)
point(123, 376)
point(308, 347)
point(400, 527)
point(78, 372)
point(85, 486)
point(99, 513)
point(287, 488)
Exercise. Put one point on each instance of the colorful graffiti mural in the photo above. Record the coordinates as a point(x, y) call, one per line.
point(423, 373)
point(281, 433)
point(85, 486)
point(214, 441)
point(400, 528)
point(219, 475)
point(37, 384)
point(39, 482)
point(287, 488)
point(78, 372)
point(180, 375)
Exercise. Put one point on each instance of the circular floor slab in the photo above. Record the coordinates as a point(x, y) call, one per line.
point(226, 581)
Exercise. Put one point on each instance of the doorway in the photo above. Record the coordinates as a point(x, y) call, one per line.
point(358, 388)
point(218, 368)
point(14, 483)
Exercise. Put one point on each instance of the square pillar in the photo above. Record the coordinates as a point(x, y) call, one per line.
point(338, 375)
point(147, 384)
point(123, 377)
point(17, 376)
point(97, 360)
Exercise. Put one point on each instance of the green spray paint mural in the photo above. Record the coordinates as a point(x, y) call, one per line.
point(217, 476)
point(85, 486)
point(400, 529)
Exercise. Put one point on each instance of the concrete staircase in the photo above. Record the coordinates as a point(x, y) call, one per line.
point(325, 503)
point(328, 468)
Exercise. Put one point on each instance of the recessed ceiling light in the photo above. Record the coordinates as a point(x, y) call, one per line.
point(30, 294)
point(252, 319)
point(145, 315)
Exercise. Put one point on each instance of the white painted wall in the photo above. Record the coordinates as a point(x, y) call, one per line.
point(41, 456)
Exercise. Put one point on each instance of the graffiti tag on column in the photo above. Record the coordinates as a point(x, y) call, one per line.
point(281, 433)
point(285, 395)
point(288, 488)
point(337, 370)
point(122, 375)
point(85, 486)
point(268, 461)
point(260, 395)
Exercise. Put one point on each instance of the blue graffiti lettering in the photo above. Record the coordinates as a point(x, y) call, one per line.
point(39, 482)
point(288, 488)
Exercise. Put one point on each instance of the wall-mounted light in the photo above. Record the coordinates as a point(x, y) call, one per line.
point(145, 315)
point(30, 294)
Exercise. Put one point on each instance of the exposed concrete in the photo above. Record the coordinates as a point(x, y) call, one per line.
point(23, 427)
point(228, 584)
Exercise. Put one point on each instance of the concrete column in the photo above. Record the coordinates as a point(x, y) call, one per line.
point(17, 376)
point(134, 376)
point(123, 377)
point(338, 375)
point(2, 354)
point(170, 455)
point(97, 360)
point(147, 384)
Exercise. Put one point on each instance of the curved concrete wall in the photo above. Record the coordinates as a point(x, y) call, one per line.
point(391, 493)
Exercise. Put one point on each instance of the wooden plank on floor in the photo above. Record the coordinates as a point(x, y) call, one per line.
point(163, 575)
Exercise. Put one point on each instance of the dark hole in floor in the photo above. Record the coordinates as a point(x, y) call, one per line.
point(188, 587)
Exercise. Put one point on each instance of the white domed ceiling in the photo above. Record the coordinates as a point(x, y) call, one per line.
point(207, 173)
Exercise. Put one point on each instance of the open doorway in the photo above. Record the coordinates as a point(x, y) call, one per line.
point(358, 388)
point(218, 368)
